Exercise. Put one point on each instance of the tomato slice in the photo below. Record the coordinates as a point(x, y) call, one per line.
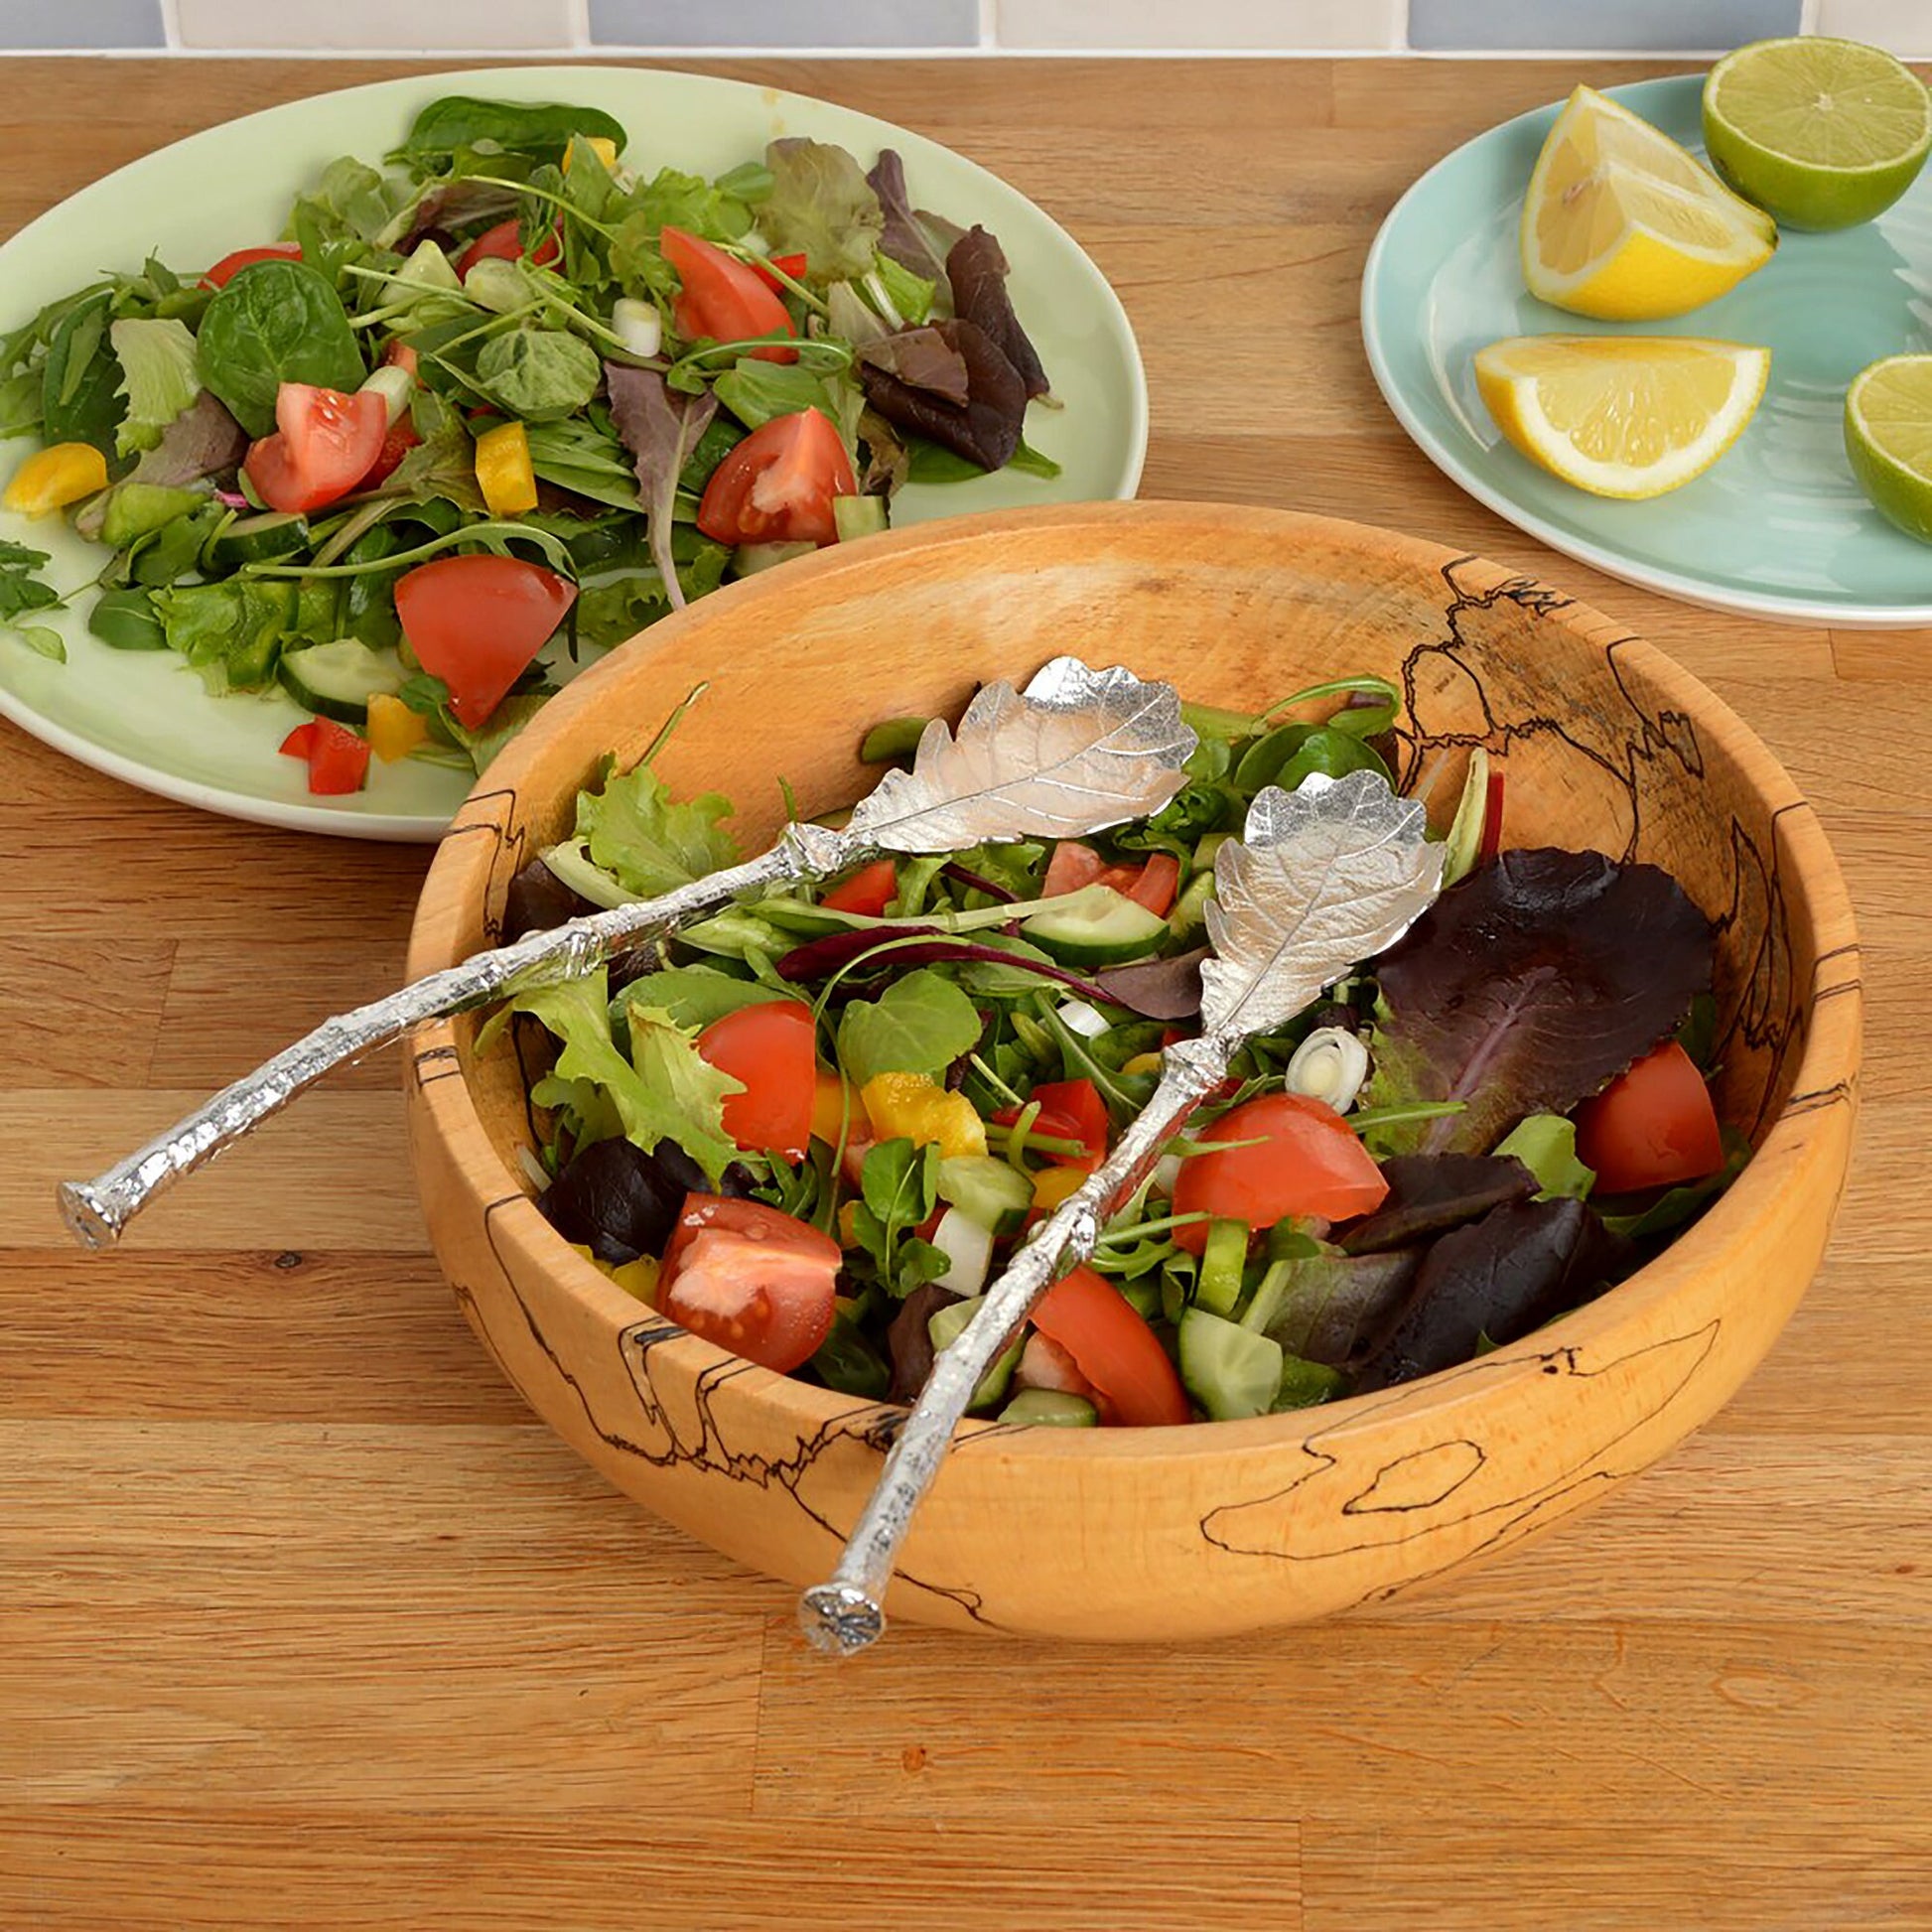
point(504, 243)
point(477, 622)
point(1114, 1349)
point(1069, 1110)
point(750, 1279)
point(722, 298)
point(338, 760)
point(1651, 1126)
point(1075, 864)
point(1159, 881)
point(793, 265)
point(777, 484)
point(1308, 1160)
point(230, 266)
point(323, 446)
point(869, 890)
point(771, 1050)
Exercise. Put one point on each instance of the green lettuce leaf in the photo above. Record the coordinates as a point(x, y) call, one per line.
point(821, 206)
point(159, 378)
point(647, 841)
point(1546, 1144)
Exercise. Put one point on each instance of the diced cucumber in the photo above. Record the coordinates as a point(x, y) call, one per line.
point(858, 517)
point(1465, 840)
point(1190, 909)
point(1232, 1371)
point(994, 1192)
point(967, 1244)
point(1097, 926)
point(258, 539)
point(1226, 1254)
point(750, 558)
point(135, 509)
point(337, 680)
point(1051, 1406)
point(945, 1326)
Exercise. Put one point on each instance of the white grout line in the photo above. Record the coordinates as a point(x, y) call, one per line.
point(1399, 28)
point(580, 23)
point(989, 25)
point(171, 23)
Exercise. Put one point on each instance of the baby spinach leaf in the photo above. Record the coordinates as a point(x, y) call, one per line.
point(755, 392)
point(539, 374)
point(1529, 987)
point(276, 322)
point(899, 1188)
point(920, 1023)
point(544, 128)
point(81, 399)
point(20, 589)
point(127, 620)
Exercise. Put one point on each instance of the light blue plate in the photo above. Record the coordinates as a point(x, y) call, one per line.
point(1778, 528)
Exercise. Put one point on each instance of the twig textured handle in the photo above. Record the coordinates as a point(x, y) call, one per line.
point(844, 1616)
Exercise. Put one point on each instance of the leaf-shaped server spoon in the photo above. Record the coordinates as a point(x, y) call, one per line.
point(1077, 750)
point(1320, 879)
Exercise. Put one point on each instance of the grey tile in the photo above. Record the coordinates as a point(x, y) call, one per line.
point(1640, 26)
point(785, 22)
point(33, 24)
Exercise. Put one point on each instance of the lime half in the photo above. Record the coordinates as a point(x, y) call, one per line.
point(1888, 438)
point(1820, 133)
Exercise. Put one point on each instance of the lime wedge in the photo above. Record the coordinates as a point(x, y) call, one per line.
point(1820, 133)
point(1888, 438)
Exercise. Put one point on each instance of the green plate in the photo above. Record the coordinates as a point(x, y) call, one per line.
point(1779, 528)
point(144, 716)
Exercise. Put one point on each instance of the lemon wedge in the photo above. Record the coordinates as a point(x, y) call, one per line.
point(1622, 224)
point(1621, 415)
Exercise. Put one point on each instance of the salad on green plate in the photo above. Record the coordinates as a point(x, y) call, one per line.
point(491, 406)
point(813, 1127)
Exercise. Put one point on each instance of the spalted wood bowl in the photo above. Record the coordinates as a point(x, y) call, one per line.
point(1219, 1527)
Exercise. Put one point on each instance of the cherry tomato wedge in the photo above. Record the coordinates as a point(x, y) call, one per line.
point(1651, 1126)
point(793, 265)
point(477, 622)
point(1134, 1382)
point(777, 484)
point(1075, 864)
point(1157, 884)
point(339, 761)
point(504, 243)
point(869, 890)
point(230, 266)
point(323, 446)
point(396, 444)
point(1307, 1161)
point(770, 1050)
point(1069, 1110)
point(722, 298)
point(750, 1279)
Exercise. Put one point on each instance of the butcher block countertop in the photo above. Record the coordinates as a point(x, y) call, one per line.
point(307, 1623)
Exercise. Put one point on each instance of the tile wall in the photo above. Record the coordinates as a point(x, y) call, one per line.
point(631, 27)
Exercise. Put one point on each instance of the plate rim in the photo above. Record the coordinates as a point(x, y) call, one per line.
point(427, 828)
point(1775, 606)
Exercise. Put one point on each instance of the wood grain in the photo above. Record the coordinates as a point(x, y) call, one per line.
point(260, 1526)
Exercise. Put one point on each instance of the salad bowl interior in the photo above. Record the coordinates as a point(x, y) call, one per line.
point(1213, 1528)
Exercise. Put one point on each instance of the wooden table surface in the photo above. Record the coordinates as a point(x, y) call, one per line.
point(304, 1621)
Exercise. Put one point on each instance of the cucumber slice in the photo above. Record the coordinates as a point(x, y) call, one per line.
point(258, 539)
point(1097, 926)
point(858, 517)
point(992, 1193)
point(1223, 1256)
point(1232, 1371)
point(945, 1325)
point(337, 680)
point(1051, 1406)
point(750, 558)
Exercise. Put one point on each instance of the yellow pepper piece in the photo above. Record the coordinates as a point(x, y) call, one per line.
point(639, 1278)
point(600, 145)
point(1143, 1063)
point(53, 477)
point(394, 730)
point(1055, 1185)
point(909, 1106)
point(835, 1106)
point(503, 472)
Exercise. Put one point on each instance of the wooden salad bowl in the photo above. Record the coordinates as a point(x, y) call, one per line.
point(1164, 1533)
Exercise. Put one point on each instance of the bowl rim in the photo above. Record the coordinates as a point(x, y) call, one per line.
point(1786, 1154)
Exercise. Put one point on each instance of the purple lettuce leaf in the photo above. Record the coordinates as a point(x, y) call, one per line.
point(984, 429)
point(660, 431)
point(1528, 987)
point(1160, 989)
point(1520, 1266)
point(1332, 1301)
point(977, 267)
point(921, 358)
point(1432, 1193)
point(906, 237)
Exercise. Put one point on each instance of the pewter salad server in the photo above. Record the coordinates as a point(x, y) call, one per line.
point(1321, 880)
point(1077, 750)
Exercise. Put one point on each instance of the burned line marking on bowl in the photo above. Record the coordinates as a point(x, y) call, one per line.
point(1421, 1479)
point(1274, 1522)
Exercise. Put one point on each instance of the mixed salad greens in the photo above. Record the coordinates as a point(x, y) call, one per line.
point(505, 393)
point(813, 1127)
